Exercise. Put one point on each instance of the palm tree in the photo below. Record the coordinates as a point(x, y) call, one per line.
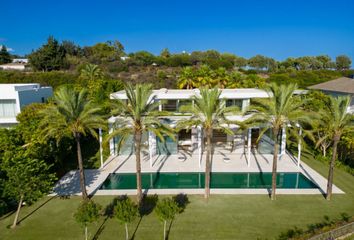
point(72, 115)
point(276, 112)
point(204, 77)
point(337, 121)
point(91, 72)
point(136, 116)
point(93, 77)
point(209, 112)
point(186, 78)
point(221, 77)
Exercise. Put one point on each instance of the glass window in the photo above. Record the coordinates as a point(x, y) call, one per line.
point(168, 147)
point(234, 102)
point(169, 105)
point(8, 108)
point(183, 103)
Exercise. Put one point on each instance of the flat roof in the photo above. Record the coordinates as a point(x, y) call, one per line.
point(18, 87)
point(163, 93)
point(341, 85)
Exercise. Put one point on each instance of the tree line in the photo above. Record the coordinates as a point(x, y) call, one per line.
point(55, 55)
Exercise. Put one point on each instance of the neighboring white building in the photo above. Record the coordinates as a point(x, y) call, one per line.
point(13, 66)
point(338, 87)
point(20, 60)
point(13, 97)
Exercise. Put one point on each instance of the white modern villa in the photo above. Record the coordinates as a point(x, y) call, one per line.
point(13, 97)
point(240, 164)
point(170, 100)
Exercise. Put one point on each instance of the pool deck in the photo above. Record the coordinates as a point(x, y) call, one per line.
point(184, 162)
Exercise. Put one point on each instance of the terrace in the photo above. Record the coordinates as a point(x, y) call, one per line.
point(185, 162)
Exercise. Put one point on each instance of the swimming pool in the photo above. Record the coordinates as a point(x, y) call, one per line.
point(196, 180)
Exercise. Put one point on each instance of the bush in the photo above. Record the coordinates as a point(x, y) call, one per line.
point(87, 212)
point(3, 207)
point(166, 210)
point(307, 78)
point(53, 78)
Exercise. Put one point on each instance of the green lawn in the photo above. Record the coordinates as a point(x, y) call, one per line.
point(223, 217)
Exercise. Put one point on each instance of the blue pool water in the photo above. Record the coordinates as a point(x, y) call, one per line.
point(218, 180)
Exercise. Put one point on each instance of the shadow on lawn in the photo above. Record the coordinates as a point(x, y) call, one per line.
point(146, 207)
point(7, 215)
point(100, 229)
point(108, 213)
point(36, 209)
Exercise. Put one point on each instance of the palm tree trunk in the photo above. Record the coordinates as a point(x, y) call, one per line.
point(81, 167)
point(17, 212)
point(275, 163)
point(207, 165)
point(331, 167)
point(86, 235)
point(137, 140)
point(126, 231)
point(164, 229)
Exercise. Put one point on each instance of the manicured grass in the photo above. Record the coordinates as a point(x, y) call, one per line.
point(223, 217)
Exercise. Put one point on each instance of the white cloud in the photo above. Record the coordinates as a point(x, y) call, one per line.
point(8, 49)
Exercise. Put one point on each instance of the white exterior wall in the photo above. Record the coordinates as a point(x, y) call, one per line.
point(23, 94)
point(13, 67)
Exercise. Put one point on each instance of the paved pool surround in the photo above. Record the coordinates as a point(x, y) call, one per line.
point(184, 163)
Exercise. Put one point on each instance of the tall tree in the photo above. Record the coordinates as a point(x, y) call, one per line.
point(275, 113)
point(71, 48)
point(5, 56)
point(209, 112)
point(343, 62)
point(337, 121)
point(104, 52)
point(165, 53)
point(240, 62)
point(28, 179)
point(72, 115)
point(49, 57)
point(318, 101)
point(325, 60)
point(136, 116)
point(258, 62)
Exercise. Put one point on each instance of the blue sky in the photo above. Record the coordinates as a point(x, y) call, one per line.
point(278, 29)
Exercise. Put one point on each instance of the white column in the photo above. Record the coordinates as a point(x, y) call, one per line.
point(152, 147)
point(249, 136)
point(299, 148)
point(194, 139)
point(283, 141)
point(200, 144)
point(112, 149)
point(245, 104)
point(101, 149)
point(160, 105)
